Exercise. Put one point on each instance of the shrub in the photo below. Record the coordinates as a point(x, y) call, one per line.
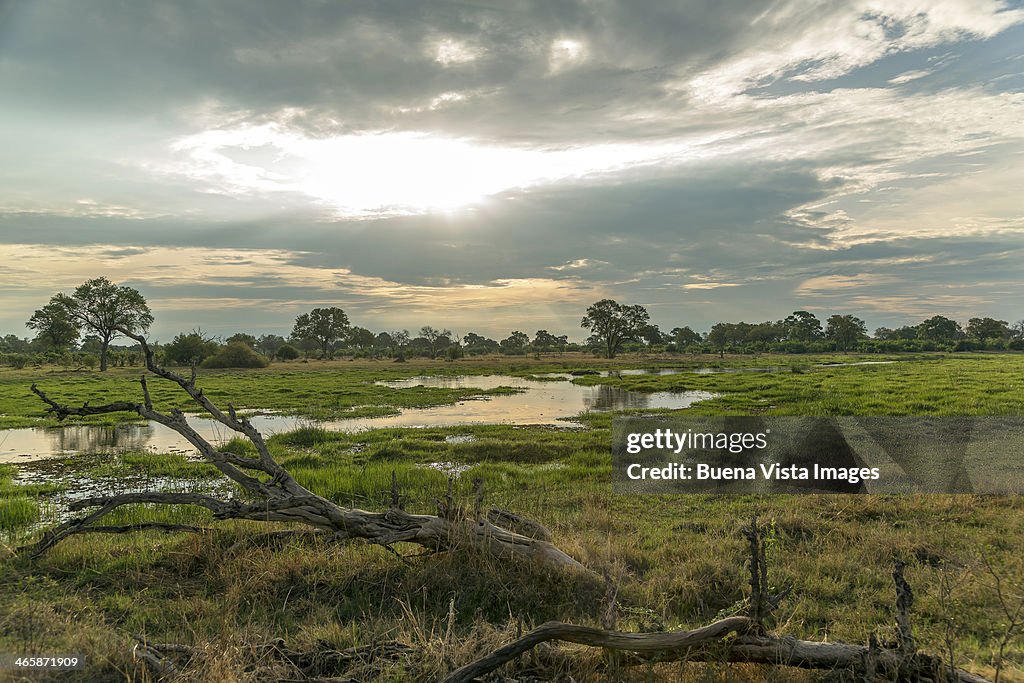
point(189, 348)
point(287, 352)
point(235, 355)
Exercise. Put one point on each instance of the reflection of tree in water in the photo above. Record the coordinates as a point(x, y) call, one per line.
point(605, 397)
point(99, 438)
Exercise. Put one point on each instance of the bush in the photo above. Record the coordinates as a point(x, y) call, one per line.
point(968, 345)
point(189, 348)
point(287, 352)
point(235, 355)
point(16, 360)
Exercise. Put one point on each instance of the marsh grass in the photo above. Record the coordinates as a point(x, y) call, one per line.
point(679, 559)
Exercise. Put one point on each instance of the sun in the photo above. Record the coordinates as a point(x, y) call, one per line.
point(376, 174)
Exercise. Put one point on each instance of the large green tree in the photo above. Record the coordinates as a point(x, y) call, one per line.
point(478, 345)
point(269, 344)
point(684, 336)
point(54, 326)
point(190, 349)
point(359, 338)
point(515, 343)
point(243, 338)
point(437, 340)
point(845, 330)
point(612, 323)
point(988, 328)
point(545, 341)
point(719, 337)
point(324, 326)
point(802, 326)
point(101, 307)
point(938, 328)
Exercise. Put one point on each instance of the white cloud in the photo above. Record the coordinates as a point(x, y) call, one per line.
point(826, 284)
point(908, 76)
point(449, 51)
point(808, 41)
point(578, 264)
point(711, 285)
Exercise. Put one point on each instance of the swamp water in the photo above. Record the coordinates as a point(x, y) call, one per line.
point(536, 402)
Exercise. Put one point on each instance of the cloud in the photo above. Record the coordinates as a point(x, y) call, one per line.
point(578, 264)
point(711, 285)
point(908, 76)
point(827, 284)
point(272, 280)
point(470, 159)
point(812, 42)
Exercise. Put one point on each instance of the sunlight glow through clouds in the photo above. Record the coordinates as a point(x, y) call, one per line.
point(451, 51)
point(566, 53)
point(392, 173)
point(863, 138)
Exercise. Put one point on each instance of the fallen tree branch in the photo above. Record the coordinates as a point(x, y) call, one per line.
point(270, 493)
point(649, 646)
point(518, 523)
point(743, 639)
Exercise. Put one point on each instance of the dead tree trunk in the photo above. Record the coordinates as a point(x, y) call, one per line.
point(743, 639)
point(269, 493)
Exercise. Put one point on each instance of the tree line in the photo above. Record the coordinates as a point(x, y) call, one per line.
point(79, 328)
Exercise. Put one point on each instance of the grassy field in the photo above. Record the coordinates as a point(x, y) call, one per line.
point(679, 560)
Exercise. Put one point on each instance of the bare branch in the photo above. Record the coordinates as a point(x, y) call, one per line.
point(282, 499)
point(64, 411)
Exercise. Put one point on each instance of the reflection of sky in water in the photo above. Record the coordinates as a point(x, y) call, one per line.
point(540, 403)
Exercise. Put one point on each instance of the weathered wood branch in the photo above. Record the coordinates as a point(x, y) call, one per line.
point(652, 646)
point(717, 643)
point(519, 524)
point(744, 640)
point(272, 494)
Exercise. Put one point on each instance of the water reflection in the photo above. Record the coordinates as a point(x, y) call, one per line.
point(536, 403)
point(98, 439)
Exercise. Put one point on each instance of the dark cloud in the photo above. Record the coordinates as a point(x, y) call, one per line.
point(760, 158)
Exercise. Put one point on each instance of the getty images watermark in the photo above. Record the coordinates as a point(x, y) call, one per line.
point(818, 454)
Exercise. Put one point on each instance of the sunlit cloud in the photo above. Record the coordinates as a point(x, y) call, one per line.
point(710, 285)
point(908, 76)
point(808, 42)
point(275, 281)
point(450, 51)
point(829, 283)
point(578, 264)
point(389, 173)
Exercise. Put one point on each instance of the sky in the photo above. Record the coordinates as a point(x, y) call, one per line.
point(497, 165)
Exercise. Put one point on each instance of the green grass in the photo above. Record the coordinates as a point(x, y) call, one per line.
point(679, 559)
point(322, 391)
point(963, 384)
